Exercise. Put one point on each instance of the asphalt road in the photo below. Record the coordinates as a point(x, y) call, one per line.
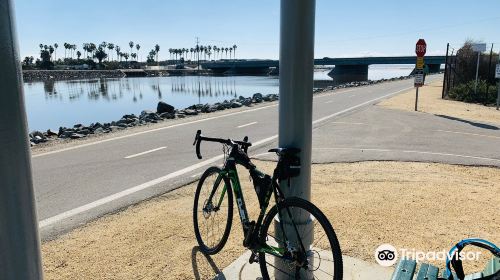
point(74, 186)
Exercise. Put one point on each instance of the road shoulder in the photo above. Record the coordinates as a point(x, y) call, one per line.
point(430, 101)
point(372, 205)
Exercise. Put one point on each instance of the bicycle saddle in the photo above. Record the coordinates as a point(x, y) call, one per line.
point(285, 151)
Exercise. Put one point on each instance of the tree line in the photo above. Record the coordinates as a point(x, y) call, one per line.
point(113, 54)
point(201, 52)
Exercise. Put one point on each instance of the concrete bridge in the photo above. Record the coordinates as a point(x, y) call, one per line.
point(346, 69)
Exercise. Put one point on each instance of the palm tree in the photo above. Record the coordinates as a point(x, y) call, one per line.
point(134, 55)
point(191, 50)
point(226, 49)
point(215, 50)
point(234, 49)
point(41, 46)
point(117, 49)
point(85, 47)
point(78, 54)
point(125, 55)
point(157, 50)
point(55, 51)
point(51, 50)
point(137, 46)
point(131, 45)
point(111, 46)
point(230, 51)
point(65, 48)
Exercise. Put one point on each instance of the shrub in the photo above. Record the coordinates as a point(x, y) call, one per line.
point(486, 94)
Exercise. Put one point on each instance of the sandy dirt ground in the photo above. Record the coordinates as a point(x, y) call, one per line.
point(429, 101)
point(409, 205)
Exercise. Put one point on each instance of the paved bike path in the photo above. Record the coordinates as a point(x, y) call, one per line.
point(76, 185)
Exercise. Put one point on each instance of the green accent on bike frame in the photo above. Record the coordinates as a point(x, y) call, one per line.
point(223, 193)
point(268, 249)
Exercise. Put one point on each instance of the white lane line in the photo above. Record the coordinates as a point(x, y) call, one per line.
point(468, 133)
point(261, 154)
point(196, 175)
point(248, 124)
point(412, 152)
point(143, 153)
point(356, 123)
point(359, 105)
point(154, 182)
point(328, 102)
point(172, 126)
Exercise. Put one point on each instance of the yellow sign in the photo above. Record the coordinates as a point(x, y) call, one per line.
point(420, 63)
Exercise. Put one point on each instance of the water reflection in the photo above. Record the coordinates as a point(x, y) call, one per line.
point(51, 104)
point(112, 89)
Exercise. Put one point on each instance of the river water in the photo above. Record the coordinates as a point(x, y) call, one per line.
point(66, 103)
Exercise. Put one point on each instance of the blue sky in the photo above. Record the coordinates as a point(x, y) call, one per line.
point(343, 28)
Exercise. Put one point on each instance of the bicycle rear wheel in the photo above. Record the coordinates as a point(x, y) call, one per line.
point(212, 211)
point(285, 243)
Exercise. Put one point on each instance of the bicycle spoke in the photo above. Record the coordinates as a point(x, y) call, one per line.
point(279, 269)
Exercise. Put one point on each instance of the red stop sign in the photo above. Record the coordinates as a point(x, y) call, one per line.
point(421, 48)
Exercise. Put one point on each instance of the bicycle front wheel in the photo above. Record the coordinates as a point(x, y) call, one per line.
point(298, 242)
point(212, 211)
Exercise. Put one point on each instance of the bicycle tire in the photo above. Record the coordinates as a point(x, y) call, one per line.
point(322, 220)
point(209, 249)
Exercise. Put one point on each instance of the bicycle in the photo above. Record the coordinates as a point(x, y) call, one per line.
point(281, 249)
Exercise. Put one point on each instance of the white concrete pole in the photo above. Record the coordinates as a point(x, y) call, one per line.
point(296, 85)
point(295, 106)
point(19, 241)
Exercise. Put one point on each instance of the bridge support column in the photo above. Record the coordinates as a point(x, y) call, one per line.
point(349, 73)
point(434, 68)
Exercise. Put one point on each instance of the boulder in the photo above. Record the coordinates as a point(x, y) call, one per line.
point(247, 102)
point(99, 130)
point(164, 108)
point(257, 97)
point(50, 133)
point(77, 136)
point(167, 115)
point(236, 104)
point(190, 112)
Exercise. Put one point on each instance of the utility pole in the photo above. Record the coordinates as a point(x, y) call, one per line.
point(498, 84)
point(19, 240)
point(445, 70)
point(477, 72)
point(295, 103)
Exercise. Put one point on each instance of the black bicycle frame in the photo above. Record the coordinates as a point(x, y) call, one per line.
point(229, 172)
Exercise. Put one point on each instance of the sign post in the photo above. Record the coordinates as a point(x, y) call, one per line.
point(497, 75)
point(420, 50)
point(479, 48)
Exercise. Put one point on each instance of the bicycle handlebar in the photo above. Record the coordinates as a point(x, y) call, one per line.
point(199, 137)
